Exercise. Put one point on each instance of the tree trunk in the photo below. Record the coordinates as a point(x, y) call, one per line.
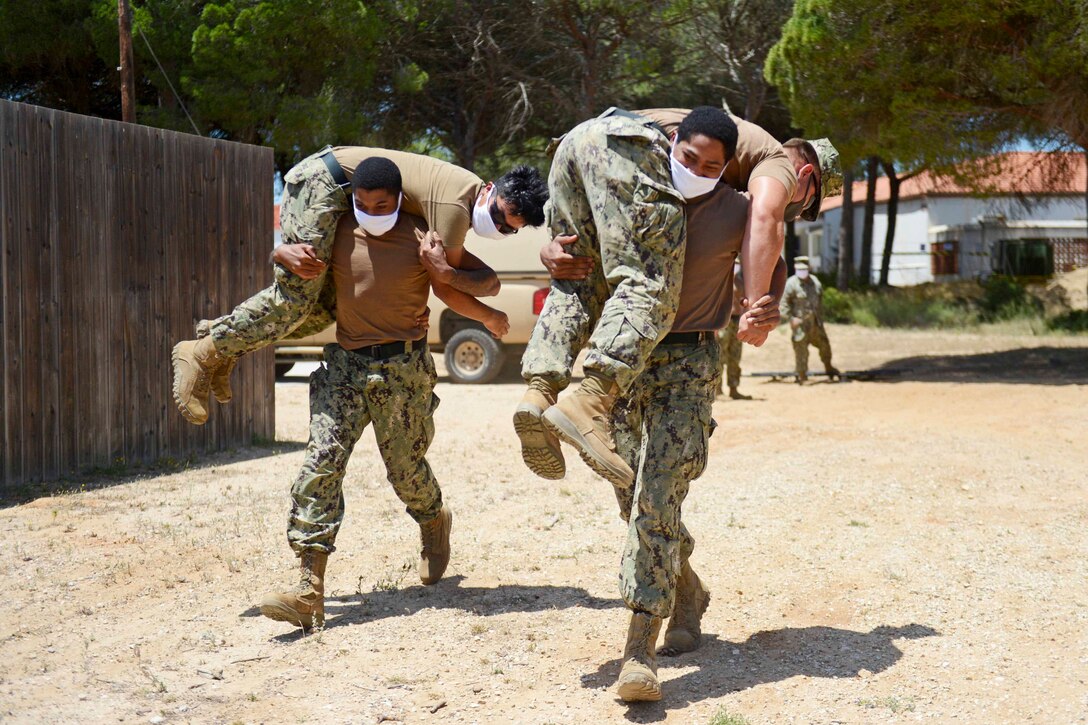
point(128, 85)
point(893, 209)
point(846, 232)
point(866, 268)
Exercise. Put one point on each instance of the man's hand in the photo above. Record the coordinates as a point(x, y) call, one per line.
point(433, 257)
point(498, 324)
point(749, 333)
point(561, 265)
point(764, 314)
point(795, 322)
point(299, 259)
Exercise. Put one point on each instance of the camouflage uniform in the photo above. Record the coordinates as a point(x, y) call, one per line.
point(611, 185)
point(347, 393)
point(661, 428)
point(803, 298)
point(292, 306)
point(731, 350)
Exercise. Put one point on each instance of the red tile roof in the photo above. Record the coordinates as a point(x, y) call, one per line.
point(1015, 172)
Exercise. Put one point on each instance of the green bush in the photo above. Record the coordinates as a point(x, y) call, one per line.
point(1003, 298)
point(1074, 321)
point(837, 306)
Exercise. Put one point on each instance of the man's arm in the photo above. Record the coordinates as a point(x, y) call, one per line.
point(460, 269)
point(299, 259)
point(761, 246)
point(460, 302)
point(765, 312)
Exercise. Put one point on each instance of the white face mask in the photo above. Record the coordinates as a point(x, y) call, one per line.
point(376, 225)
point(482, 223)
point(688, 184)
point(802, 274)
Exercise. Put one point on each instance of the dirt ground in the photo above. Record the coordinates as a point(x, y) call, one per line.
point(912, 548)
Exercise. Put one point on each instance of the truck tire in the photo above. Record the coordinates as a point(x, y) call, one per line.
point(473, 357)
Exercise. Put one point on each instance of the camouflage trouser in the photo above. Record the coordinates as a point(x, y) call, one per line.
point(292, 307)
point(810, 333)
point(347, 393)
point(610, 184)
point(661, 427)
point(731, 351)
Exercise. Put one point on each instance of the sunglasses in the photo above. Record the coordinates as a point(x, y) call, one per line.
point(500, 219)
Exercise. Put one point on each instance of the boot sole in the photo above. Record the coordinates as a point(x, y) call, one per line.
point(435, 578)
point(672, 648)
point(281, 613)
point(541, 457)
point(639, 689)
point(559, 424)
point(182, 408)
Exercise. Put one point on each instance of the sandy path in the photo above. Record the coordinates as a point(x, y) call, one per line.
point(902, 551)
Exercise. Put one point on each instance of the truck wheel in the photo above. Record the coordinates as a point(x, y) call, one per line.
point(473, 357)
point(282, 369)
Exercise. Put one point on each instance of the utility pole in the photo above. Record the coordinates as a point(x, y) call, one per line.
point(128, 87)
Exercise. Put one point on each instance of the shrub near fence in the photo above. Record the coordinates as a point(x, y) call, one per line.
point(114, 239)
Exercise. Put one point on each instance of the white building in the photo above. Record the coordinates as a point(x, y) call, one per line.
point(1030, 221)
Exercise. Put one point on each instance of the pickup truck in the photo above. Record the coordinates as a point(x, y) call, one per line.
point(472, 354)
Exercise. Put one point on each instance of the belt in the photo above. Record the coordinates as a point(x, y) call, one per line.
point(388, 350)
point(687, 338)
point(335, 168)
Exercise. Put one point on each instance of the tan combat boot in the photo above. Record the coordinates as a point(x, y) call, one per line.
point(684, 633)
point(539, 447)
point(303, 606)
point(638, 677)
point(435, 537)
point(195, 361)
point(582, 419)
point(220, 383)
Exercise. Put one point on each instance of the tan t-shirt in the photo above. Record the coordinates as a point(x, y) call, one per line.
point(715, 224)
point(440, 192)
point(758, 153)
point(381, 286)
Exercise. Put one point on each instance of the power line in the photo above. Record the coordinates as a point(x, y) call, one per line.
point(172, 89)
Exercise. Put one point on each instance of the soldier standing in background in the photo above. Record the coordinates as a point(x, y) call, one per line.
point(731, 346)
point(802, 305)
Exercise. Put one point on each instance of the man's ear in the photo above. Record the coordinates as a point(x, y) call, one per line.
point(482, 196)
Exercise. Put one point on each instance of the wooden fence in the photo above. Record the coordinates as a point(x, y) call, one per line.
point(114, 239)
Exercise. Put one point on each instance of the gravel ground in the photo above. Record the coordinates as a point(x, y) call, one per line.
point(909, 549)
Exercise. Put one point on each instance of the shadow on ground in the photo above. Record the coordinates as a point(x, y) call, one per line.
point(1029, 366)
point(449, 594)
point(772, 656)
point(97, 478)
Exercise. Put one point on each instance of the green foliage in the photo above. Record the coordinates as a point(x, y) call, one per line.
point(1072, 321)
point(724, 717)
point(836, 305)
point(946, 305)
point(1004, 298)
point(934, 82)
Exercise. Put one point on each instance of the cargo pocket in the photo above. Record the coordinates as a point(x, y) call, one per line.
point(695, 448)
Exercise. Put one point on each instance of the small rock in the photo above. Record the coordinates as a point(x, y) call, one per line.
point(155, 720)
point(864, 674)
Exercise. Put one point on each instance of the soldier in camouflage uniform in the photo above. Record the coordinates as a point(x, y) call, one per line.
point(662, 427)
point(613, 184)
point(301, 302)
point(379, 372)
point(802, 305)
point(730, 344)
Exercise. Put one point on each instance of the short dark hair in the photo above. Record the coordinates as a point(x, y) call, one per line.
point(377, 173)
point(712, 122)
point(526, 192)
